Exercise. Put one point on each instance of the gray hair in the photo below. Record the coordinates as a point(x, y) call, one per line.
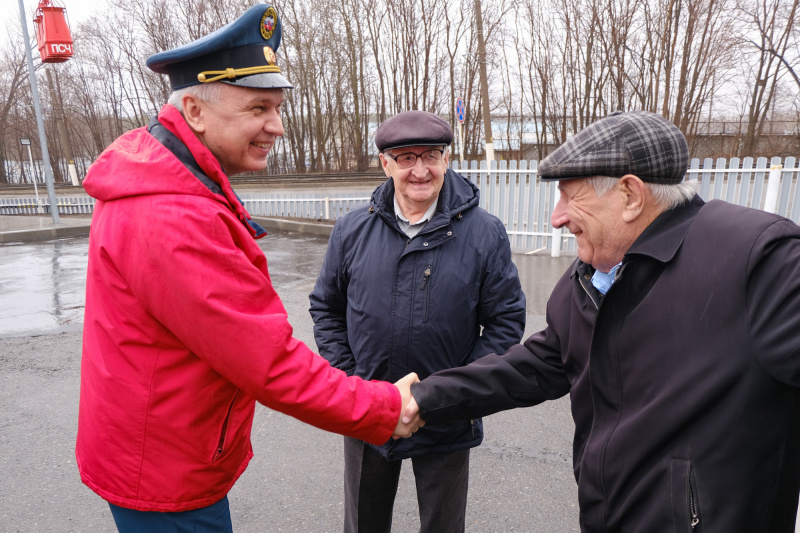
point(665, 195)
point(207, 92)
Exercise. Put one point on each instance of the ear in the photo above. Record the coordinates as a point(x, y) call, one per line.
point(634, 196)
point(385, 165)
point(193, 113)
point(446, 159)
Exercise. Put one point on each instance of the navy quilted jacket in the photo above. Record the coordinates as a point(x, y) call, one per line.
point(385, 305)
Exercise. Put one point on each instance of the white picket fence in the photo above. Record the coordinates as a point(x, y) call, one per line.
point(512, 191)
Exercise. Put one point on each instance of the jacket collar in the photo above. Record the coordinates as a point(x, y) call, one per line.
point(172, 120)
point(662, 239)
point(457, 195)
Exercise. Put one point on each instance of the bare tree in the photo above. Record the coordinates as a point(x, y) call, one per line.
point(13, 65)
point(771, 25)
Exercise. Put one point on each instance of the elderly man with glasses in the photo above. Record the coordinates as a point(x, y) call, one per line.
point(420, 280)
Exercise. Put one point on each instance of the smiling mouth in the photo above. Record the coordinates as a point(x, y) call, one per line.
point(265, 146)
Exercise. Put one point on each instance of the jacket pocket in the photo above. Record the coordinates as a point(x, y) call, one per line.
point(685, 502)
point(221, 442)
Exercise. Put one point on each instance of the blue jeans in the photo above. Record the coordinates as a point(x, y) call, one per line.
point(215, 518)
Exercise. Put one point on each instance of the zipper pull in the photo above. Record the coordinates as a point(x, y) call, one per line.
point(693, 503)
point(425, 278)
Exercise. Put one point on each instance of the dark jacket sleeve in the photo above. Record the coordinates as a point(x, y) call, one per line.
point(329, 307)
point(773, 301)
point(526, 375)
point(502, 302)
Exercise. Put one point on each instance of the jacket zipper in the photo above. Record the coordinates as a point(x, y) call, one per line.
point(425, 278)
point(588, 292)
point(422, 286)
point(221, 443)
point(693, 503)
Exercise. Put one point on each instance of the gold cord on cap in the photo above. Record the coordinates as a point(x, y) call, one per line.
point(231, 73)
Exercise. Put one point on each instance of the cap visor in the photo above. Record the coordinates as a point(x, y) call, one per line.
point(564, 178)
point(267, 80)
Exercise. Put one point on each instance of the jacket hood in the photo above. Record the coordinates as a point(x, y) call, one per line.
point(457, 195)
point(158, 170)
point(171, 160)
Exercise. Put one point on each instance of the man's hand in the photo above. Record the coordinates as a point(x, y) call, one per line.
point(411, 413)
point(409, 421)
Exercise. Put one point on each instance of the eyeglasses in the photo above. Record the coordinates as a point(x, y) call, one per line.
point(430, 158)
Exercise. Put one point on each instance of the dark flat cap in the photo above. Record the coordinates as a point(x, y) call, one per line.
point(241, 53)
point(413, 128)
point(639, 143)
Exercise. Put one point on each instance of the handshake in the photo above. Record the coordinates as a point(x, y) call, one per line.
point(409, 421)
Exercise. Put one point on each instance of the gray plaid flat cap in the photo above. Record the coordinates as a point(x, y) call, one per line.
point(639, 143)
point(413, 128)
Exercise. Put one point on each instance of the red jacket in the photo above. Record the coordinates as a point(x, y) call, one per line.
point(183, 332)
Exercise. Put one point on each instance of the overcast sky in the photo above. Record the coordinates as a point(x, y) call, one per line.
point(77, 11)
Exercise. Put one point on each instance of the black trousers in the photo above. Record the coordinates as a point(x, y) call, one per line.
point(370, 486)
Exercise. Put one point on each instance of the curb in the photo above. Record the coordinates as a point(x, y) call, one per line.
point(292, 225)
point(43, 234)
point(47, 234)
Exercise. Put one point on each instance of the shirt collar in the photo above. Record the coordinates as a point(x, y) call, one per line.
point(603, 281)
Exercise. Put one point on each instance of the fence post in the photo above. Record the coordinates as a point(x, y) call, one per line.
point(555, 243)
point(327, 208)
point(773, 186)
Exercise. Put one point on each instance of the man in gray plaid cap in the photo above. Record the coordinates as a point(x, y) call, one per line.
point(676, 333)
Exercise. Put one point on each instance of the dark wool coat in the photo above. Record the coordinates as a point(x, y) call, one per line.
point(386, 305)
point(683, 378)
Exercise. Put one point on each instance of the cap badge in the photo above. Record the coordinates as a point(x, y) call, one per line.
point(268, 22)
point(269, 55)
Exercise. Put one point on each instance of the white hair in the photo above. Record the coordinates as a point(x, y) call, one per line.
point(666, 195)
point(207, 92)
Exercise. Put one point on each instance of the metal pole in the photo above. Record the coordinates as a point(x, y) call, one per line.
point(461, 143)
point(39, 208)
point(48, 171)
point(487, 118)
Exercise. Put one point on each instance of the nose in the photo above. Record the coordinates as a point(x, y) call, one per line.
point(419, 169)
point(559, 218)
point(274, 123)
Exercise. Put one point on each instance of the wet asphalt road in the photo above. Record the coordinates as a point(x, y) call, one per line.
point(520, 477)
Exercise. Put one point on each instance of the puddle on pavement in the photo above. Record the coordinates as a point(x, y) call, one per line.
point(42, 285)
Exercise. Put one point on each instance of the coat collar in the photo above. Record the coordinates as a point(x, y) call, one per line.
point(662, 239)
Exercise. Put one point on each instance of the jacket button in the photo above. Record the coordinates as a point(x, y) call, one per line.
point(449, 233)
point(424, 244)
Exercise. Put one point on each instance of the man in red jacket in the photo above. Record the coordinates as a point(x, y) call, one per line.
point(183, 331)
